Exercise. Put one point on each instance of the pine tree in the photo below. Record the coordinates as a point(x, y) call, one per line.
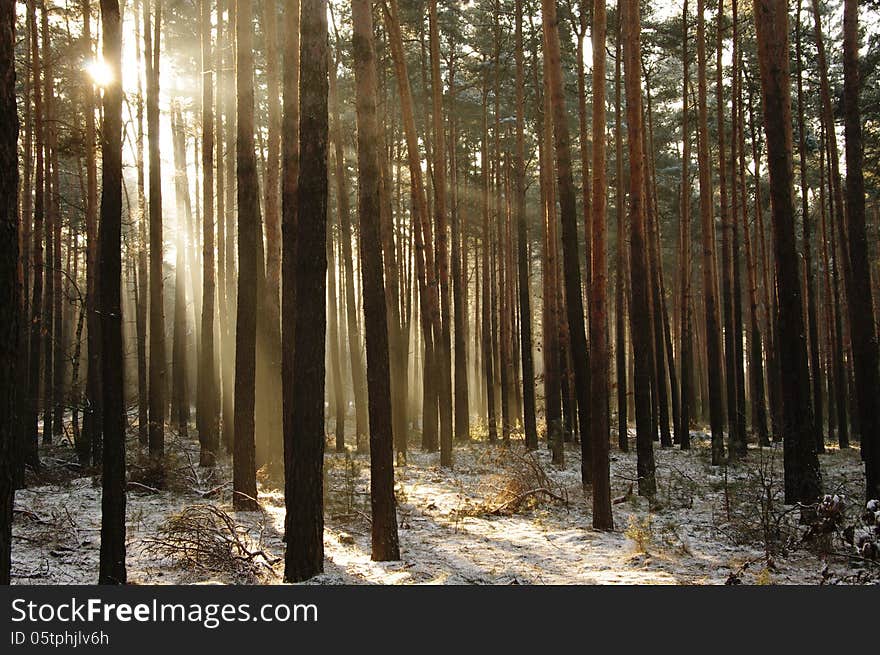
point(112, 561)
point(10, 281)
point(384, 516)
point(304, 387)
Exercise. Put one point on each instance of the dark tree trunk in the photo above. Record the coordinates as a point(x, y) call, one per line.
point(710, 276)
point(51, 216)
point(244, 480)
point(568, 214)
point(861, 310)
point(384, 524)
point(621, 268)
point(31, 434)
point(10, 282)
point(525, 309)
point(812, 320)
point(444, 350)
point(685, 348)
point(142, 267)
point(112, 562)
point(599, 360)
point(305, 228)
point(157, 373)
point(801, 466)
point(207, 410)
point(640, 325)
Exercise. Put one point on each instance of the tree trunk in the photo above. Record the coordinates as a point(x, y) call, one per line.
point(179, 355)
point(442, 248)
point(269, 369)
point(525, 309)
point(568, 214)
point(685, 348)
point(208, 415)
point(244, 481)
point(812, 320)
point(384, 524)
point(801, 466)
point(142, 265)
point(32, 428)
point(861, 310)
point(157, 303)
point(620, 263)
point(640, 325)
point(461, 419)
point(346, 237)
point(601, 434)
point(112, 560)
point(10, 281)
point(710, 276)
point(305, 235)
point(51, 216)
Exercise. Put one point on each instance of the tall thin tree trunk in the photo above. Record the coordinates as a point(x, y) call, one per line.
point(710, 276)
point(269, 383)
point(640, 326)
point(208, 415)
point(602, 516)
point(346, 236)
point(812, 320)
point(685, 348)
point(48, 333)
point(152, 30)
point(568, 214)
point(801, 466)
point(36, 318)
point(384, 524)
point(244, 480)
point(10, 280)
point(621, 268)
point(442, 248)
point(179, 355)
point(112, 559)
point(861, 310)
point(525, 309)
point(305, 229)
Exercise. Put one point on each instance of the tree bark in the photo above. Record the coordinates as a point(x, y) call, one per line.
point(861, 310)
point(208, 415)
point(801, 466)
point(710, 276)
point(244, 481)
point(10, 281)
point(112, 559)
point(307, 233)
point(568, 214)
point(601, 434)
point(384, 524)
point(157, 304)
point(525, 309)
point(640, 326)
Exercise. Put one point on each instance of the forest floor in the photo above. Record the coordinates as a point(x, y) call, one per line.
point(499, 517)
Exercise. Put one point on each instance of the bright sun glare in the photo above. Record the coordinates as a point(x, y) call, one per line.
point(100, 72)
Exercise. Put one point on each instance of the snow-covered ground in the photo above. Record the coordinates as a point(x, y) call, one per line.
point(704, 525)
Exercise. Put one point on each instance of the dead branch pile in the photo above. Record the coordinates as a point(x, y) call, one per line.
point(206, 537)
point(521, 484)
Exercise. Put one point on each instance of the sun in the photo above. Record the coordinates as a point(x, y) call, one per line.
point(100, 72)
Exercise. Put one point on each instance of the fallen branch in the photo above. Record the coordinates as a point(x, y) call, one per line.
point(516, 500)
point(144, 487)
